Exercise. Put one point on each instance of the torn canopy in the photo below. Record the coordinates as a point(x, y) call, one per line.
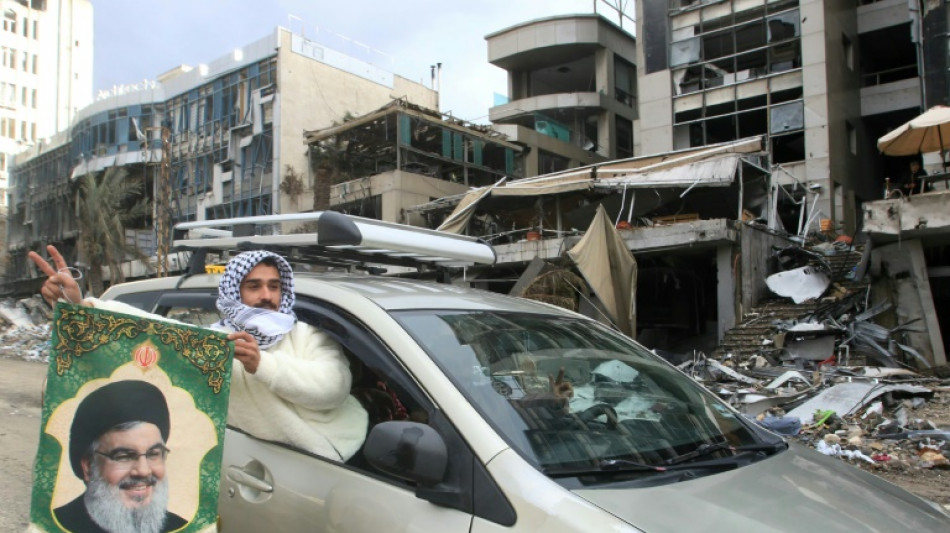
point(458, 220)
point(670, 177)
point(608, 266)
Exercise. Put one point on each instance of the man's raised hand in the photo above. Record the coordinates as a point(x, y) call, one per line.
point(59, 282)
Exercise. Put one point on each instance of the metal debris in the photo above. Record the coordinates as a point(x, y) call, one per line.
point(800, 284)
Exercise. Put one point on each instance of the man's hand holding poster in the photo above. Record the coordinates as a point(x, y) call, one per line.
point(133, 425)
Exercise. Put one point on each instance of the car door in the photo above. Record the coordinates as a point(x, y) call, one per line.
point(268, 486)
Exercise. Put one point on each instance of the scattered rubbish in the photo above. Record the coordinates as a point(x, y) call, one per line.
point(791, 375)
point(816, 343)
point(16, 316)
point(831, 445)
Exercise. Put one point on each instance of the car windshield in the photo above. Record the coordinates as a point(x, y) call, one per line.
point(625, 409)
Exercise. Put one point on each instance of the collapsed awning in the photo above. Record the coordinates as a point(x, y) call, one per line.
point(717, 172)
point(711, 166)
point(459, 218)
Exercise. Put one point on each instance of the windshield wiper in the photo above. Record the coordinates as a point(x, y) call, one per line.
point(706, 449)
point(616, 465)
point(629, 466)
point(701, 451)
point(606, 466)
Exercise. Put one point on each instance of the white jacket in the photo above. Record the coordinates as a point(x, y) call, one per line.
point(299, 395)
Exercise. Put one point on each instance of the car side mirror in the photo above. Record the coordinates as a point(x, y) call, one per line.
point(407, 450)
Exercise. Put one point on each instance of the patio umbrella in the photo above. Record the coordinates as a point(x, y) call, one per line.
point(928, 132)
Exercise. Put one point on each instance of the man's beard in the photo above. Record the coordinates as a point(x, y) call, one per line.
point(104, 503)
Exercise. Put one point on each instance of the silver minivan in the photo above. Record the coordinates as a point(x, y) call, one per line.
point(470, 437)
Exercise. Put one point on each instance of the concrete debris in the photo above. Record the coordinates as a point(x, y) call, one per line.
point(25, 329)
point(847, 398)
point(833, 368)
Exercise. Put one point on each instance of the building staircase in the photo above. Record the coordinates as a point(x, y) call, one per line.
point(755, 333)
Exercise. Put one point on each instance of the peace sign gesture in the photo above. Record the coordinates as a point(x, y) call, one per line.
point(561, 387)
point(60, 281)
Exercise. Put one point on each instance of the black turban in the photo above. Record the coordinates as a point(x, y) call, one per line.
point(113, 404)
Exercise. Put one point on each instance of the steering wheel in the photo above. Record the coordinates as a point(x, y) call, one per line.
point(595, 411)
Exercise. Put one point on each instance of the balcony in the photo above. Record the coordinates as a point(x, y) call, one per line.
point(550, 103)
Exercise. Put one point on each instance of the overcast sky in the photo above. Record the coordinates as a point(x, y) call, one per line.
point(135, 41)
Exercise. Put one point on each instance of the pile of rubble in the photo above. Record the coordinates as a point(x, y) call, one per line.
point(25, 329)
point(814, 364)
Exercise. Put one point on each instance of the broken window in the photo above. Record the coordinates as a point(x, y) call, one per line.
point(698, 77)
point(719, 44)
point(737, 47)
point(887, 55)
point(787, 117)
point(552, 128)
point(785, 56)
point(783, 26)
point(788, 148)
point(684, 52)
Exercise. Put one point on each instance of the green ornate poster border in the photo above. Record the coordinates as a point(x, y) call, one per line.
point(89, 344)
point(81, 330)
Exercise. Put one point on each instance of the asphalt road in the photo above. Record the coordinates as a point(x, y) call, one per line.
point(20, 411)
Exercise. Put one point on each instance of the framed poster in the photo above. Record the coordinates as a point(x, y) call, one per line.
point(132, 429)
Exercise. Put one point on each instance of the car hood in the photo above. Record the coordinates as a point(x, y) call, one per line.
point(796, 490)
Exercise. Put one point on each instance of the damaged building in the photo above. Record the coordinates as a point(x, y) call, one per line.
point(909, 262)
point(381, 164)
point(706, 144)
point(821, 80)
point(696, 268)
point(220, 140)
point(572, 90)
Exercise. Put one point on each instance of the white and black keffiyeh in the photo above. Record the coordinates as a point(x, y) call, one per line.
point(266, 326)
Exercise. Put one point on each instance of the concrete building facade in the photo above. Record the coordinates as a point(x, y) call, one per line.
point(217, 141)
point(821, 79)
point(45, 74)
point(572, 89)
point(45, 77)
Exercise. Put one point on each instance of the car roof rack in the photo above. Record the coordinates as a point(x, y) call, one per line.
point(340, 240)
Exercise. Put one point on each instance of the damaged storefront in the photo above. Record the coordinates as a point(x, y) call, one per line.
point(843, 352)
point(676, 212)
point(909, 263)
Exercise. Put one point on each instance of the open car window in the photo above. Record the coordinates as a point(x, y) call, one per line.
point(380, 383)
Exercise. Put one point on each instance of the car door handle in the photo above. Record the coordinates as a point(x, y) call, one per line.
point(243, 477)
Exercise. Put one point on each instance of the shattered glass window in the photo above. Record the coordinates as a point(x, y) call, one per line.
point(787, 117)
point(783, 26)
point(684, 52)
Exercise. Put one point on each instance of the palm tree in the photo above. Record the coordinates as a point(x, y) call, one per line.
point(107, 204)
